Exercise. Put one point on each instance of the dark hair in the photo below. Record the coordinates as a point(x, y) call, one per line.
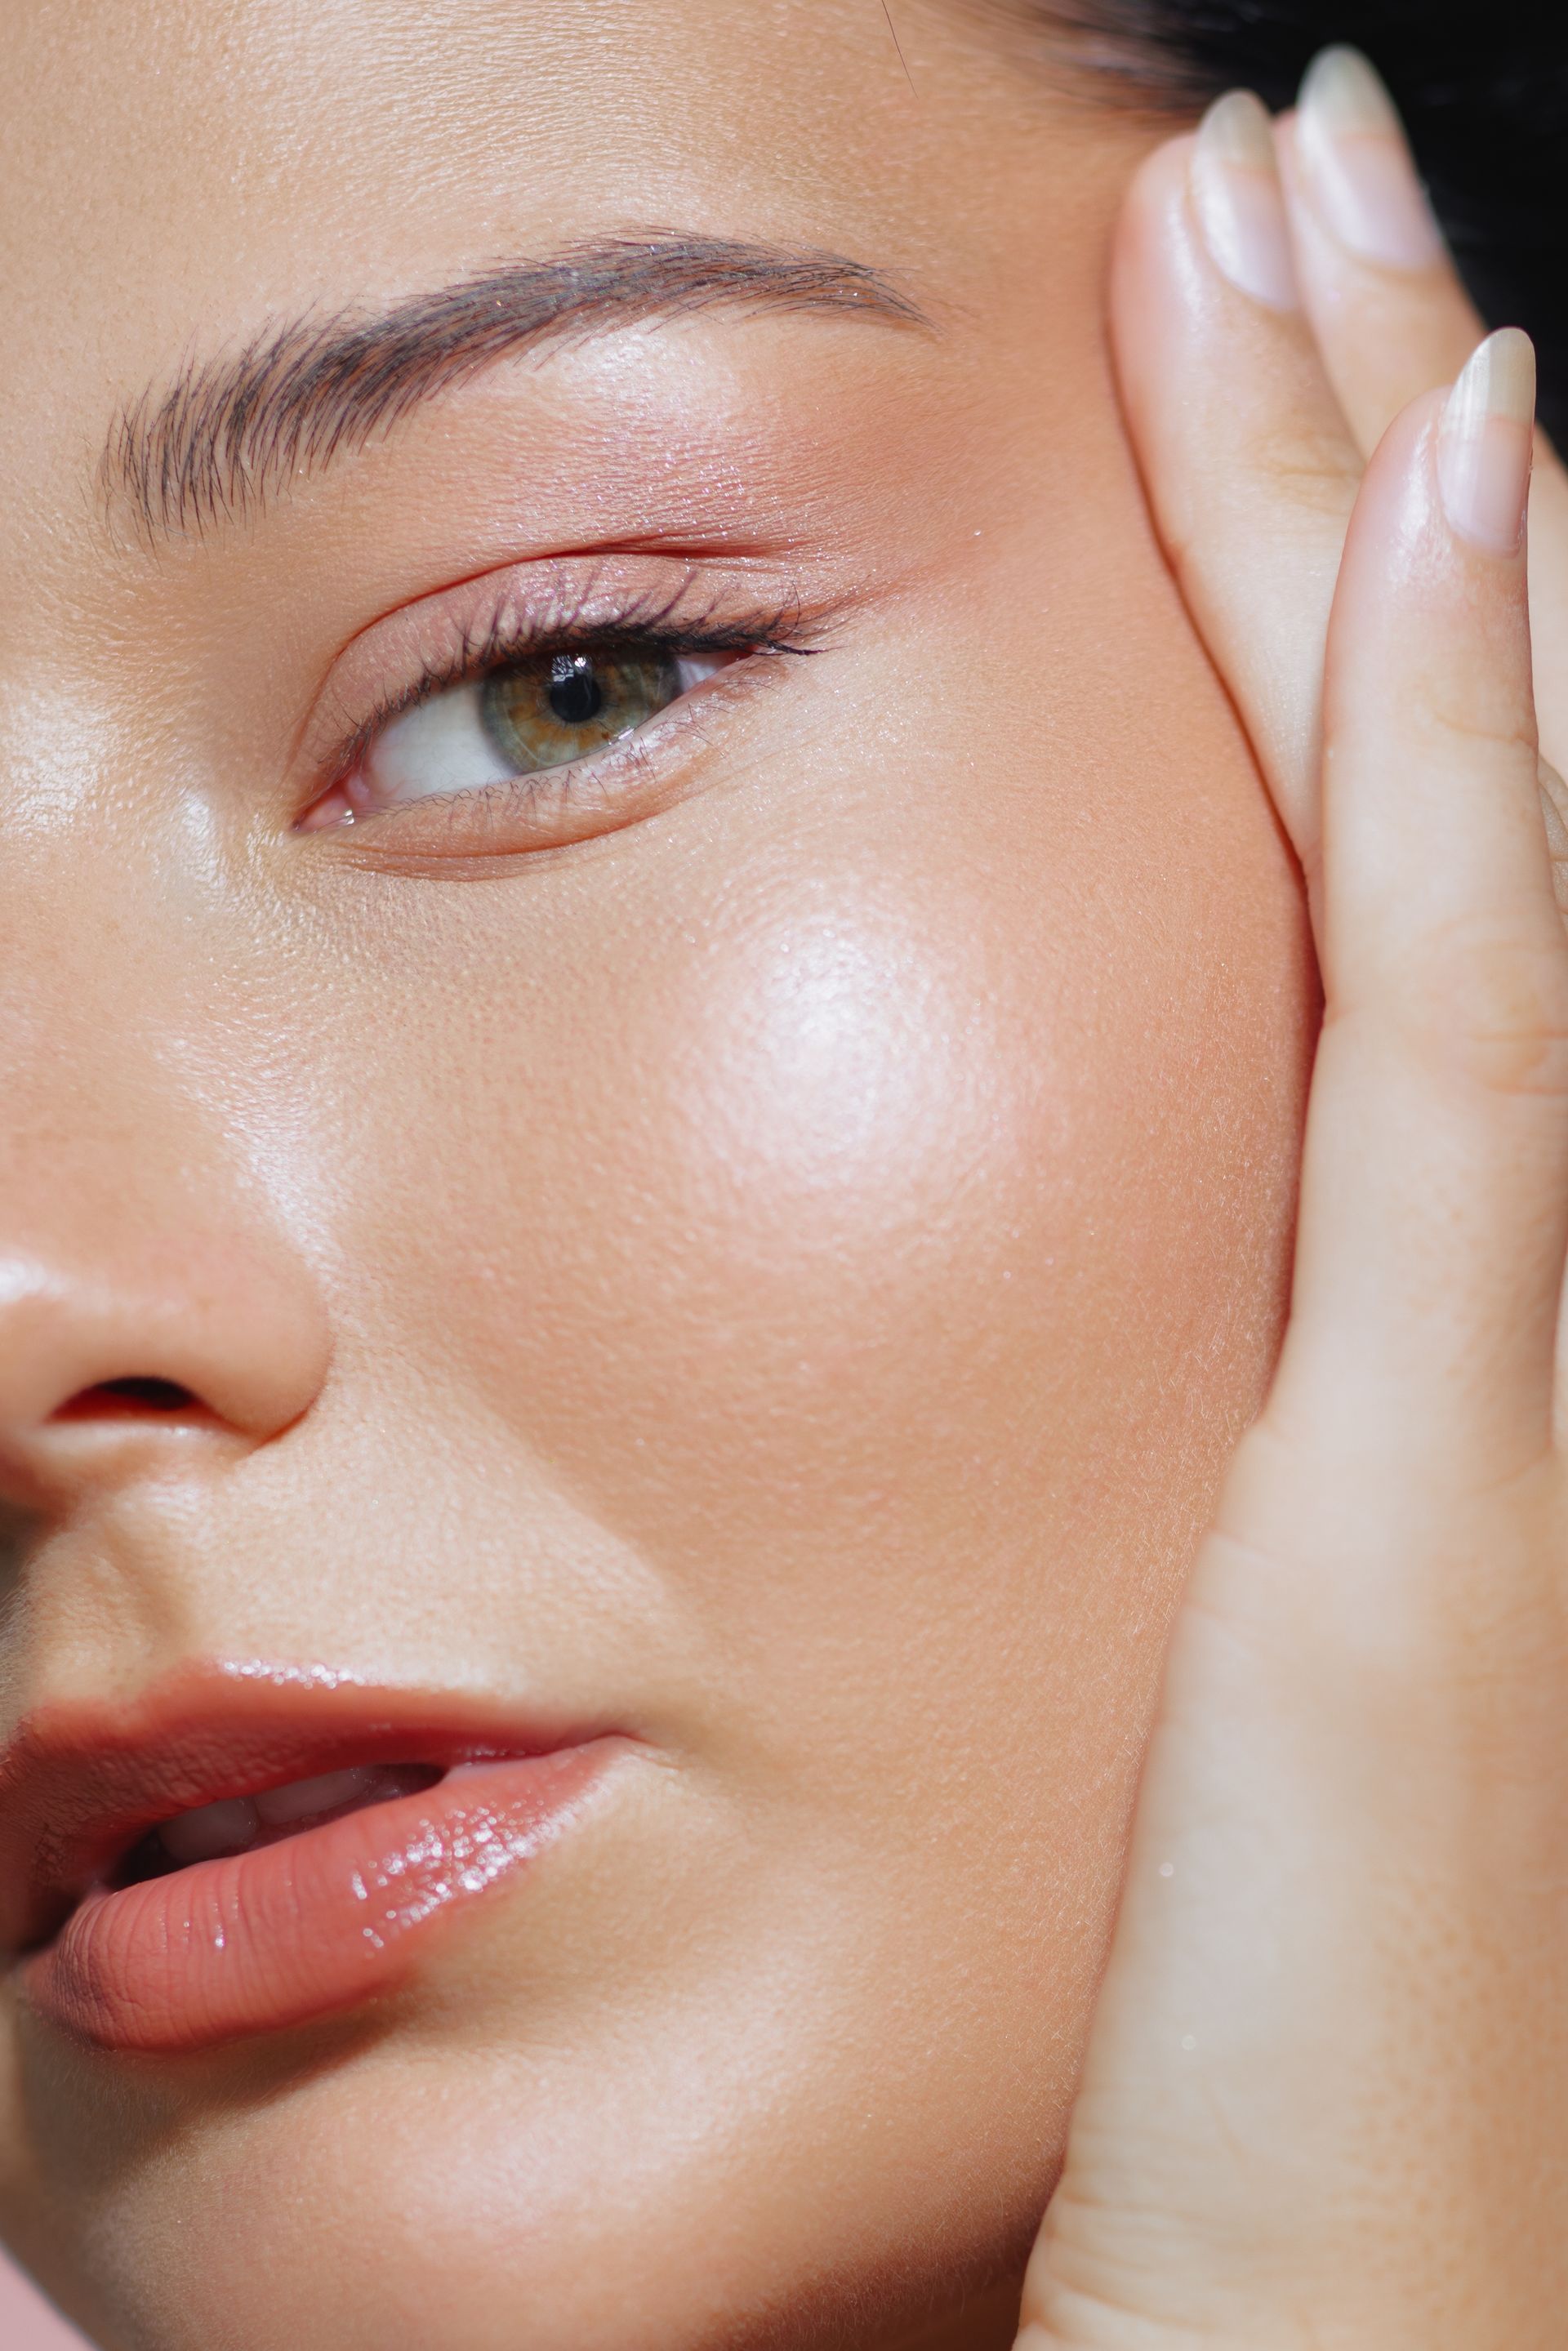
point(1483, 85)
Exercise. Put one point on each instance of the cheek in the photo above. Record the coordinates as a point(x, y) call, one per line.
point(836, 1086)
point(885, 1227)
point(847, 1121)
point(786, 1221)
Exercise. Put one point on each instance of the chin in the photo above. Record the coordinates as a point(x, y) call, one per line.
point(656, 2189)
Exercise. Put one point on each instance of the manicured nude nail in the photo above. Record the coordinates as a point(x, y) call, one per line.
point(1359, 166)
point(1485, 444)
point(1240, 206)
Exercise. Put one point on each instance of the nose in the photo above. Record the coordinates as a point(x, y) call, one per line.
point(142, 1309)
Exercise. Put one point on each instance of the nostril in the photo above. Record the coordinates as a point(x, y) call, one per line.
point(113, 1398)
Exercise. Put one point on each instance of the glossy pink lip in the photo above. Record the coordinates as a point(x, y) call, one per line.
point(283, 1932)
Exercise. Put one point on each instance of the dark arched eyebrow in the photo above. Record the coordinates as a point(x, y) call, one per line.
point(231, 429)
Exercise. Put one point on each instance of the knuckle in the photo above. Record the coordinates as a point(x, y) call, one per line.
point(1463, 722)
point(1311, 466)
point(1501, 1016)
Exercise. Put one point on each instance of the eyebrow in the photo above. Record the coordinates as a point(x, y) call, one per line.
point(230, 430)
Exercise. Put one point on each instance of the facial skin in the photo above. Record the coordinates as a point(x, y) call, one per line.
point(781, 1274)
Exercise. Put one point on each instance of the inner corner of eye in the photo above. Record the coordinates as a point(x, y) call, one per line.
point(326, 814)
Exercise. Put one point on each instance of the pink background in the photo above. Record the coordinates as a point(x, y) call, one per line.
point(26, 2322)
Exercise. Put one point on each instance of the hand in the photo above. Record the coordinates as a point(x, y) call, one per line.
point(1326, 2101)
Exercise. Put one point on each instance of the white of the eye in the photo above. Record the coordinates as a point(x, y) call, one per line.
point(439, 746)
point(691, 669)
point(443, 745)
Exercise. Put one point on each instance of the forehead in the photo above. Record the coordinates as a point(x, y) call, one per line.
point(178, 174)
point(186, 177)
point(181, 178)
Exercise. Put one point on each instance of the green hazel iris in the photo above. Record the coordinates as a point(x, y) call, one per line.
point(558, 707)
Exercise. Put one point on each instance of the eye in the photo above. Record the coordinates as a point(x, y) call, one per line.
point(546, 710)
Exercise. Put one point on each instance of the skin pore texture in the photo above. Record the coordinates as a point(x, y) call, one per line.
point(770, 1256)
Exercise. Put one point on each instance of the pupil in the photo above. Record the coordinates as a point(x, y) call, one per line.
point(575, 694)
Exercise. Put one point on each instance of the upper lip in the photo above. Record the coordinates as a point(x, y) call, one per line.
point(81, 1781)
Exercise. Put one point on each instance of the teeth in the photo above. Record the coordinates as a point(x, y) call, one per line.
point(303, 1797)
point(234, 1824)
point(227, 1827)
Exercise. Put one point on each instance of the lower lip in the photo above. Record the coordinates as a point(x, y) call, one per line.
point(290, 1932)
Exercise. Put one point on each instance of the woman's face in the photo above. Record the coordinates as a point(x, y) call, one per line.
point(752, 1247)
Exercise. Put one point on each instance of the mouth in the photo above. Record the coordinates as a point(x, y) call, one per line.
point(265, 1816)
point(187, 1872)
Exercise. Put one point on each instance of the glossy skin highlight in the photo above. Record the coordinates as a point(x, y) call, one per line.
point(783, 1275)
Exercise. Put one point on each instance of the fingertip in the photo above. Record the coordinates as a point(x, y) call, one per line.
point(1486, 443)
point(1155, 203)
point(1239, 201)
point(1204, 217)
point(1357, 163)
point(1154, 272)
point(1456, 460)
point(1386, 306)
point(1430, 622)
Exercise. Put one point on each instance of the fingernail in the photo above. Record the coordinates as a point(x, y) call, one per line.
point(1353, 148)
point(1239, 204)
point(1486, 442)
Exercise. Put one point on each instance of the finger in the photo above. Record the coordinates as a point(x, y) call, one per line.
point(1393, 319)
point(1554, 809)
point(1391, 315)
point(1435, 1189)
point(1249, 466)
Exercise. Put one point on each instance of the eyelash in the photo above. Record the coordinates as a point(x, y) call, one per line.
point(509, 636)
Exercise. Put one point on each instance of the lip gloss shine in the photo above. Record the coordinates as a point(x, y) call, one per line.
point(257, 1942)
